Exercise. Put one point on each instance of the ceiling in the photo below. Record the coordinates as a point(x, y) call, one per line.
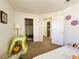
point(41, 6)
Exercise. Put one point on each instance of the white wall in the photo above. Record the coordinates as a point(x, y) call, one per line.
point(71, 34)
point(37, 27)
point(6, 30)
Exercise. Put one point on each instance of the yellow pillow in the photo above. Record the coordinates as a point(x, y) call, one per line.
point(75, 57)
point(16, 49)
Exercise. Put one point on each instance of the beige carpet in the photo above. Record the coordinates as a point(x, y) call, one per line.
point(37, 48)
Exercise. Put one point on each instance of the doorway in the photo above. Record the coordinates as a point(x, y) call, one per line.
point(48, 29)
point(29, 29)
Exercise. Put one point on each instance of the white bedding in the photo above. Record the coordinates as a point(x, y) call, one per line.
point(65, 52)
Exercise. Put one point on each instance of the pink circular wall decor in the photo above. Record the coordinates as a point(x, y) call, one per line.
point(68, 17)
point(75, 22)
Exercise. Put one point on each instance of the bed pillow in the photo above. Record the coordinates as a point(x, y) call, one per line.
point(75, 57)
point(76, 45)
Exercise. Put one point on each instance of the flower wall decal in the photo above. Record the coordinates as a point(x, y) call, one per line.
point(68, 17)
point(75, 22)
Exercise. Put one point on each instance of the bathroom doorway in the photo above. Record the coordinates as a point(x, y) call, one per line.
point(48, 29)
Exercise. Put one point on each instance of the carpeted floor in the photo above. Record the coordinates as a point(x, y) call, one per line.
point(37, 48)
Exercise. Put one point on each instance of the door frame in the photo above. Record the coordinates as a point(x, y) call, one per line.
point(32, 25)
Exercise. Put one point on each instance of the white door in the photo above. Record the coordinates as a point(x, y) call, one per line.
point(57, 30)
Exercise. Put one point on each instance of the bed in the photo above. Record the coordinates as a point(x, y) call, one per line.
point(64, 52)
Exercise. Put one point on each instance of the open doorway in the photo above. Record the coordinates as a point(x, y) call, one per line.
point(29, 29)
point(48, 29)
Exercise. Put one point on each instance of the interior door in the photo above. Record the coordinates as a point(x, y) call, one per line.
point(57, 31)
